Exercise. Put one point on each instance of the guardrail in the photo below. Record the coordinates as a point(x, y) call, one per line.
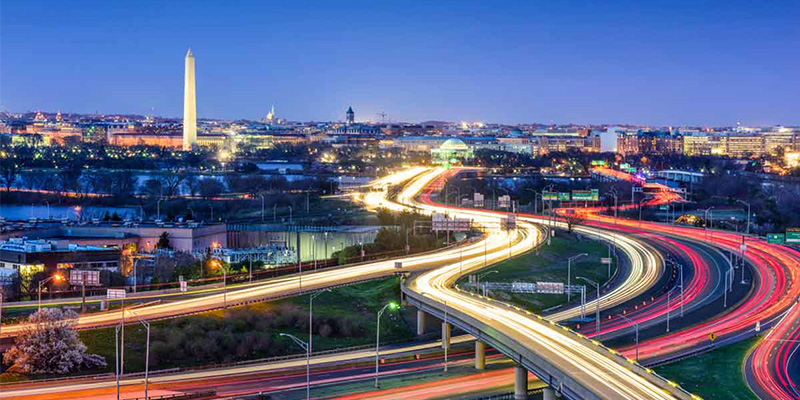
point(532, 361)
point(179, 396)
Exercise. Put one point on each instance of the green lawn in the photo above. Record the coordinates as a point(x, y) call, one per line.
point(716, 375)
point(549, 264)
point(343, 317)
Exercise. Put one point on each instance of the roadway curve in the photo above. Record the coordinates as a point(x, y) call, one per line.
point(578, 367)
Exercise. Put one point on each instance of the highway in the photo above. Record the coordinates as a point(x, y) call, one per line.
point(497, 244)
point(576, 366)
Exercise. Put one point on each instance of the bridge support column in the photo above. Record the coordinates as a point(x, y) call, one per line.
point(420, 322)
point(480, 355)
point(549, 393)
point(446, 328)
point(520, 383)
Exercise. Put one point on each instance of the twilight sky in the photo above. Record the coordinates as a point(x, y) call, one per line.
point(645, 62)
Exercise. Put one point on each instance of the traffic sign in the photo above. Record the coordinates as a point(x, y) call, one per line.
point(550, 196)
point(792, 235)
point(776, 238)
point(712, 336)
point(183, 287)
point(89, 277)
point(586, 195)
point(115, 293)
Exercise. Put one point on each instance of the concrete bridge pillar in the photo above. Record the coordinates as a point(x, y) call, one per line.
point(480, 355)
point(420, 322)
point(520, 383)
point(549, 393)
point(446, 328)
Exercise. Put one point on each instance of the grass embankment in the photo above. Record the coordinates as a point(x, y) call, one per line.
point(716, 375)
point(549, 264)
point(343, 317)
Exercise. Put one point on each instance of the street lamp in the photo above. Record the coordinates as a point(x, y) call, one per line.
point(57, 277)
point(569, 271)
point(311, 313)
point(669, 298)
point(748, 214)
point(391, 305)
point(613, 192)
point(597, 306)
point(262, 206)
point(640, 211)
point(708, 210)
point(681, 267)
point(305, 347)
point(481, 276)
point(217, 264)
point(146, 352)
point(636, 326)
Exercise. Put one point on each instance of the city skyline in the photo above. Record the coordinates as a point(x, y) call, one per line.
point(706, 65)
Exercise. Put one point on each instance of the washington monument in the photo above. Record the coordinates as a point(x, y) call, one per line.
point(189, 105)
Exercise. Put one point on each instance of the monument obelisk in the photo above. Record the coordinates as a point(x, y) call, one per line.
point(189, 104)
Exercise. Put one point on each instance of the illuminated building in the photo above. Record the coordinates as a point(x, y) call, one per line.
point(451, 151)
point(351, 116)
point(649, 142)
point(189, 104)
point(557, 141)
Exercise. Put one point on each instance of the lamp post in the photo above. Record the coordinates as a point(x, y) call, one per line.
point(597, 306)
point(2, 295)
point(57, 277)
point(305, 347)
point(569, 271)
point(393, 306)
point(681, 267)
point(748, 214)
point(708, 210)
point(640, 211)
point(613, 192)
point(636, 326)
point(146, 352)
point(217, 264)
point(262, 206)
point(483, 275)
point(669, 298)
point(158, 208)
point(311, 314)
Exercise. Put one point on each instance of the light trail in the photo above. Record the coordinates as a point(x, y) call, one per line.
point(584, 364)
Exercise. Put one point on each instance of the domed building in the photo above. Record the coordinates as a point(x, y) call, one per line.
point(451, 151)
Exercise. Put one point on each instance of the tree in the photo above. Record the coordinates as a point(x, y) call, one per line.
point(192, 184)
point(152, 188)
point(50, 345)
point(163, 241)
point(210, 188)
point(9, 169)
point(171, 183)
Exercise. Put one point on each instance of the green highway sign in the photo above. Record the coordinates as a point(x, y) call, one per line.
point(586, 195)
point(563, 196)
point(624, 166)
point(549, 196)
point(776, 238)
point(792, 235)
point(598, 162)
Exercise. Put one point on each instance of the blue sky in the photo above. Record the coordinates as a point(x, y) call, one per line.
point(661, 63)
